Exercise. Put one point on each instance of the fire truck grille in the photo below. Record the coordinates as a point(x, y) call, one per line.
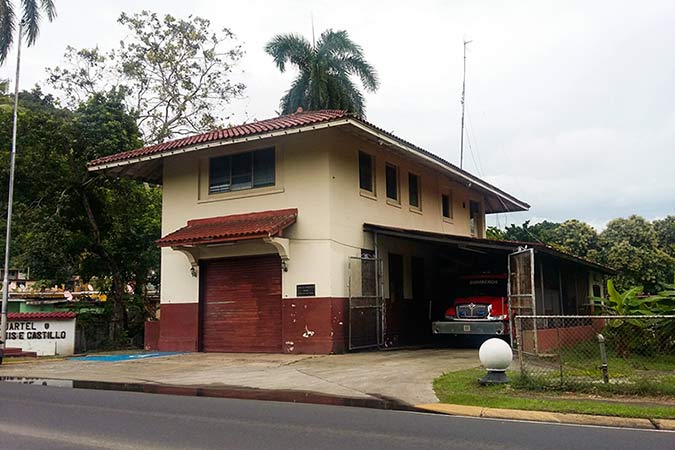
point(472, 311)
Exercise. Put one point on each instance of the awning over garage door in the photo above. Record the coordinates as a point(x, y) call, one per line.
point(235, 227)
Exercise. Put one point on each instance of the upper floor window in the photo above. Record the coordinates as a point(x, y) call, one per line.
point(414, 190)
point(366, 172)
point(242, 171)
point(391, 176)
point(446, 205)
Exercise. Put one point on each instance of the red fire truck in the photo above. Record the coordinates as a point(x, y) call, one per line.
point(479, 306)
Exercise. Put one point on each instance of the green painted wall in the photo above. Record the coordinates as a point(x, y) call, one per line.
point(36, 308)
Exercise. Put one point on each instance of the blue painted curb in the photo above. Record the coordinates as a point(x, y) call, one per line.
point(126, 357)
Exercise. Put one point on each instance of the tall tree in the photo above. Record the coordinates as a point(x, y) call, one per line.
point(575, 237)
point(31, 15)
point(539, 232)
point(70, 221)
point(175, 74)
point(630, 245)
point(325, 71)
point(665, 233)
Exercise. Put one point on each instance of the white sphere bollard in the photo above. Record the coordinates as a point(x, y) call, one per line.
point(496, 356)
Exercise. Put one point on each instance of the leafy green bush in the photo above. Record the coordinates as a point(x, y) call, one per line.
point(638, 335)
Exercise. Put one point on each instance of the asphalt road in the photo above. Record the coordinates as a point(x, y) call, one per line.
point(38, 417)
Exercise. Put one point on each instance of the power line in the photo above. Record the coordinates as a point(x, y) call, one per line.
point(472, 136)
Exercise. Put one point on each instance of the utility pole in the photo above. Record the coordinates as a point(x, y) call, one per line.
point(461, 141)
point(12, 164)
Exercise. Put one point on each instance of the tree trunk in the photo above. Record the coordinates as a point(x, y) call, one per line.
point(116, 328)
point(117, 291)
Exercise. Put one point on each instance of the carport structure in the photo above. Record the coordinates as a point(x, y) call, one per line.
point(408, 281)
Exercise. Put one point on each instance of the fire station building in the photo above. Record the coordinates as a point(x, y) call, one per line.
point(318, 232)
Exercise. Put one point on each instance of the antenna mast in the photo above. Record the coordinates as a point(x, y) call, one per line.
point(461, 142)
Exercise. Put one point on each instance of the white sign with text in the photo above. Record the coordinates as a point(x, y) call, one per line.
point(45, 337)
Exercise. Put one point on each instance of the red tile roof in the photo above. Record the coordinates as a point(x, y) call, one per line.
point(287, 123)
point(294, 120)
point(54, 315)
point(231, 228)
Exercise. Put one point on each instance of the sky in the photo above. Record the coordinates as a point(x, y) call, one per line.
point(570, 104)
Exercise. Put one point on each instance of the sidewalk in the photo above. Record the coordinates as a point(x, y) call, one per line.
point(552, 417)
point(405, 375)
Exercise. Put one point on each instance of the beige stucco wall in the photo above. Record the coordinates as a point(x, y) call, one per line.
point(301, 182)
point(350, 208)
point(350, 205)
point(317, 172)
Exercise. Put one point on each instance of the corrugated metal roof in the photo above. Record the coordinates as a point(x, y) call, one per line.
point(230, 228)
point(509, 246)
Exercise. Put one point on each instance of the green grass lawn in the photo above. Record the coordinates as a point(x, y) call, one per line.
point(579, 355)
point(577, 369)
point(462, 388)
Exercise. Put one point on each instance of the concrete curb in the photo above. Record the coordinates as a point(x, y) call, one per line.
point(552, 417)
point(9, 362)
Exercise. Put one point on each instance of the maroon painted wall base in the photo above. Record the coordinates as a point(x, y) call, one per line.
point(309, 326)
point(151, 336)
point(314, 325)
point(179, 327)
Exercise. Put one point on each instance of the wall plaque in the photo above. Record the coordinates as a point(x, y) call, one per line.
point(306, 290)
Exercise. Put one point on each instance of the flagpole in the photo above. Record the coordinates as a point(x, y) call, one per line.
point(12, 164)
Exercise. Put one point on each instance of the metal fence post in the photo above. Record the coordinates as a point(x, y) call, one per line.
point(603, 359)
point(640, 349)
point(560, 360)
point(519, 343)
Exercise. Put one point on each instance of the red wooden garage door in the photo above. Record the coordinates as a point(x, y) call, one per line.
point(241, 304)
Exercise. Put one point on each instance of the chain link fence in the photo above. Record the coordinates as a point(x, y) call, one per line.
point(623, 354)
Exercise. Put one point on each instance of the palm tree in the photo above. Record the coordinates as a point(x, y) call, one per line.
point(325, 70)
point(31, 15)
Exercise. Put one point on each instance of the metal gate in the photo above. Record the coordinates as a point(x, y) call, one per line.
point(365, 303)
point(521, 289)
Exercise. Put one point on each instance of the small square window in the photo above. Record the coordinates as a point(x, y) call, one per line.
point(475, 218)
point(391, 175)
point(414, 190)
point(366, 172)
point(446, 205)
